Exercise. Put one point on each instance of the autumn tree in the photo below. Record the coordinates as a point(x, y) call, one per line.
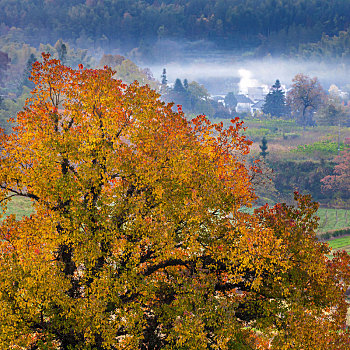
point(305, 97)
point(138, 241)
point(111, 60)
point(128, 72)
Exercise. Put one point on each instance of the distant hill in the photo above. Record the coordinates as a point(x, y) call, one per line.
point(265, 26)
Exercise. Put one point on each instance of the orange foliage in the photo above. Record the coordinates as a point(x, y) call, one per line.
point(138, 240)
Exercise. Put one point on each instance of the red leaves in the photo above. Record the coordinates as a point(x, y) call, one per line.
point(341, 179)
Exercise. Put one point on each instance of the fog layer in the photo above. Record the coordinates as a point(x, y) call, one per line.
point(222, 75)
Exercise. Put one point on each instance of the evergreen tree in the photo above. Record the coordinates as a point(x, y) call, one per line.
point(27, 73)
point(61, 49)
point(186, 84)
point(263, 148)
point(230, 100)
point(163, 76)
point(275, 101)
point(63, 53)
point(178, 87)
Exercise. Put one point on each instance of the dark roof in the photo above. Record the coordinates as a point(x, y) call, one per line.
point(258, 104)
point(243, 99)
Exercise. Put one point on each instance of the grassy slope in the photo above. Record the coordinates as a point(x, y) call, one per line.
point(340, 243)
point(333, 219)
point(19, 206)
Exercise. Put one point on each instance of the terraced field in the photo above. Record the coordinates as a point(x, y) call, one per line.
point(333, 219)
point(342, 243)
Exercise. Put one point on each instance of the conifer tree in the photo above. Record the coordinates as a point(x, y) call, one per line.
point(231, 100)
point(164, 78)
point(178, 87)
point(4, 65)
point(263, 148)
point(275, 101)
point(61, 49)
point(27, 72)
point(186, 84)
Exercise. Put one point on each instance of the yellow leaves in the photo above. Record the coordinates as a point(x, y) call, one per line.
point(137, 236)
point(189, 332)
point(310, 331)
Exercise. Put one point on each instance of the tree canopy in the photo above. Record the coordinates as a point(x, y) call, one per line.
point(305, 97)
point(275, 101)
point(231, 100)
point(138, 240)
point(193, 97)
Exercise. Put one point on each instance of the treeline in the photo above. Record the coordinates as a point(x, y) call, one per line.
point(329, 47)
point(305, 176)
point(271, 25)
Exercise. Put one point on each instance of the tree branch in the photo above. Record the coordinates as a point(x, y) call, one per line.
point(17, 193)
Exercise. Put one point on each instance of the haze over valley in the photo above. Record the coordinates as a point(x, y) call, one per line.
point(220, 74)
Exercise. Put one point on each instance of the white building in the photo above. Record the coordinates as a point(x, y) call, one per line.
point(244, 104)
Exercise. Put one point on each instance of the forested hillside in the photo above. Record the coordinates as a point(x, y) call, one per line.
point(270, 25)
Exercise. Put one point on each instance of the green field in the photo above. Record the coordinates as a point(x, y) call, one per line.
point(333, 219)
point(19, 206)
point(330, 219)
point(340, 243)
